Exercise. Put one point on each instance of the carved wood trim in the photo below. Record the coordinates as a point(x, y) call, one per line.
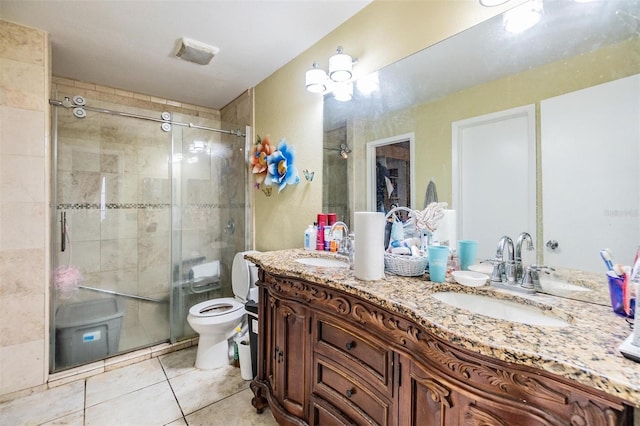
point(439, 394)
point(592, 415)
point(476, 416)
point(503, 379)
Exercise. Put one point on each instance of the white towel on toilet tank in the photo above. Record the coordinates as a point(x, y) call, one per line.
point(206, 270)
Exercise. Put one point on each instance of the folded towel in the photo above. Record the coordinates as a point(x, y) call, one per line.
point(210, 269)
point(431, 195)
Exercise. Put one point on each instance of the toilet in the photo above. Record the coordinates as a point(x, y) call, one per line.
point(215, 320)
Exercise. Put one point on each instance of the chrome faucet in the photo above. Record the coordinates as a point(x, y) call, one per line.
point(346, 246)
point(525, 236)
point(504, 270)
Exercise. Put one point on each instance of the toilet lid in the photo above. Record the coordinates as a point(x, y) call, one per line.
point(240, 275)
point(215, 307)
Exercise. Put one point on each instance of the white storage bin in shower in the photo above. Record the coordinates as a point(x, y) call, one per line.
point(88, 331)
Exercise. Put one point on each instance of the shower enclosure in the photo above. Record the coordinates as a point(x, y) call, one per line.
point(142, 199)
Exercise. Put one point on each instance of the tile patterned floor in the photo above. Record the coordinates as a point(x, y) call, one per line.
point(167, 390)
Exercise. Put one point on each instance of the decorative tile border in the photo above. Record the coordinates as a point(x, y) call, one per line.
point(111, 206)
point(121, 206)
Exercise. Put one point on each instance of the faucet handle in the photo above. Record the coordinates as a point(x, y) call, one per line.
point(498, 270)
point(530, 279)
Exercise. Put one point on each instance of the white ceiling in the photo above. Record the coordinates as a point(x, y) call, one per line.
point(131, 44)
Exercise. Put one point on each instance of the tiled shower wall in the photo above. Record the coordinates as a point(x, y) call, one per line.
point(24, 213)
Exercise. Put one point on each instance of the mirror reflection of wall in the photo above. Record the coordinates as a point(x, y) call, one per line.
point(484, 70)
point(335, 161)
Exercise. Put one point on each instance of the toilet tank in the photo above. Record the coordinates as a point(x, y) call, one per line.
point(243, 276)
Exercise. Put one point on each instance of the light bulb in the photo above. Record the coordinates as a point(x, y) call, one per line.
point(316, 79)
point(340, 66)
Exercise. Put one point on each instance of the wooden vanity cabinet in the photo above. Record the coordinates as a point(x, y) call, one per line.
point(287, 350)
point(329, 358)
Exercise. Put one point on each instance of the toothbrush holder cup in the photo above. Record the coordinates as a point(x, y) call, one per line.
point(617, 297)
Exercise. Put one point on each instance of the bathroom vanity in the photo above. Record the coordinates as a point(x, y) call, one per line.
point(335, 350)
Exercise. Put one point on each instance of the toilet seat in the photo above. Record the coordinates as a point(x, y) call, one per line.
point(216, 307)
point(243, 277)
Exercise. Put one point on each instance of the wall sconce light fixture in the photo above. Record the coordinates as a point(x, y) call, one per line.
point(316, 79)
point(338, 80)
point(343, 91)
point(340, 66)
point(344, 150)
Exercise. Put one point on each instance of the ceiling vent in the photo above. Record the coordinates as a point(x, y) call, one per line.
point(195, 51)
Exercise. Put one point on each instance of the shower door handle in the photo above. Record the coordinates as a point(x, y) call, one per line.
point(63, 231)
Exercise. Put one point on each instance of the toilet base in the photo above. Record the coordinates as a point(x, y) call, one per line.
point(211, 356)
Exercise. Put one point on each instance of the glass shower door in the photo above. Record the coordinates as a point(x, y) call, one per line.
point(112, 239)
point(209, 216)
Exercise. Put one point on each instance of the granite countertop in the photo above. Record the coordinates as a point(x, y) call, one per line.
point(585, 351)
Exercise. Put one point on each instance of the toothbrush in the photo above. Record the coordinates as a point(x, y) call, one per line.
point(626, 294)
point(635, 271)
point(606, 256)
point(619, 269)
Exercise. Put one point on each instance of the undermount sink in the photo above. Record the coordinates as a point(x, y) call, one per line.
point(500, 309)
point(322, 262)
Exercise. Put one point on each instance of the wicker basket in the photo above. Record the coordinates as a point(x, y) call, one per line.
point(404, 265)
point(407, 266)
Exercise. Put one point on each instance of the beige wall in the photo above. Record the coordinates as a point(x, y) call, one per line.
point(382, 33)
point(24, 197)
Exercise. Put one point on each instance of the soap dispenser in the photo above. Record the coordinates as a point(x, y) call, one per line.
point(310, 236)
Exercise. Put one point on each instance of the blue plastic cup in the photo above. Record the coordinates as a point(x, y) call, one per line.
point(438, 257)
point(467, 250)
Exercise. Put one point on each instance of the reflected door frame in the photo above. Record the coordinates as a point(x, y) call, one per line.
point(493, 168)
point(371, 166)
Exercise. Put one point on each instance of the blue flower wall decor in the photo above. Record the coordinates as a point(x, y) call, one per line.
point(281, 170)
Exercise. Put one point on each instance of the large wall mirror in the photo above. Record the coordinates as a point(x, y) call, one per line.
point(576, 70)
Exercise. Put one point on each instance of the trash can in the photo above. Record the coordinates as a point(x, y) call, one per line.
point(252, 316)
point(87, 331)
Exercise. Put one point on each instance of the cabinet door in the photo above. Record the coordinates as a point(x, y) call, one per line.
point(424, 400)
point(291, 357)
point(268, 326)
point(478, 411)
point(427, 398)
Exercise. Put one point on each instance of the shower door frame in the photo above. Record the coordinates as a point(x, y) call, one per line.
point(54, 255)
